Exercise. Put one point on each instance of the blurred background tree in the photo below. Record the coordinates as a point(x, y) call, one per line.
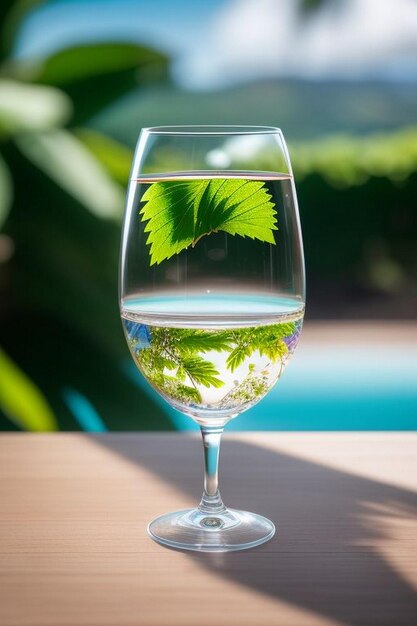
point(73, 97)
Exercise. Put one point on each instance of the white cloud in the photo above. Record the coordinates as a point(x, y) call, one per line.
point(350, 38)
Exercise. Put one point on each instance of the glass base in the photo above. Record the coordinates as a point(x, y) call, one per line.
point(193, 529)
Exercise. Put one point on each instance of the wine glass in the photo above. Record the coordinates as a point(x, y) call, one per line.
point(211, 293)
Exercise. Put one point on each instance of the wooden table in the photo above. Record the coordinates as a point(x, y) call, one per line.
point(74, 550)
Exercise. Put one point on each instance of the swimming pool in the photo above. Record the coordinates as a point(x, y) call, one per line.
point(356, 376)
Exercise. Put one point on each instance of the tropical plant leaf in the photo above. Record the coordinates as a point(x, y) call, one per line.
point(96, 74)
point(201, 371)
point(25, 107)
point(161, 362)
point(267, 339)
point(275, 350)
point(238, 355)
point(115, 157)
point(203, 341)
point(179, 213)
point(21, 400)
point(285, 329)
point(184, 392)
point(66, 160)
point(181, 374)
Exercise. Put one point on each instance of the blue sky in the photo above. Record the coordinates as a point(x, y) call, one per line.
point(214, 43)
point(169, 25)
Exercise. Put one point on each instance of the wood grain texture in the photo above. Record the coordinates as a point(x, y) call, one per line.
point(74, 549)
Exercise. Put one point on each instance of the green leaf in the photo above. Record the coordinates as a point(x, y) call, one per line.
point(179, 213)
point(202, 372)
point(115, 157)
point(26, 107)
point(21, 400)
point(184, 392)
point(95, 75)
point(285, 329)
point(275, 350)
point(69, 163)
point(181, 374)
point(161, 362)
point(266, 339)
point(203, 341)
point(237, 356)
point(86, 61)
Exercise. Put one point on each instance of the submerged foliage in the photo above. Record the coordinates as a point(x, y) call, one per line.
point(174, 361)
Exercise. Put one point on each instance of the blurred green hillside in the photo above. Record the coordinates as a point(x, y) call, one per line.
point(304, 110)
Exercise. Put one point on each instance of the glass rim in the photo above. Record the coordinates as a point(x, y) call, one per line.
point(212, 129)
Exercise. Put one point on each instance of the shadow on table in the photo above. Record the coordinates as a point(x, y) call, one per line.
point(325, 556)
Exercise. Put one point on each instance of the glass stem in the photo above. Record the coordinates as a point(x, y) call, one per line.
point(211, 501)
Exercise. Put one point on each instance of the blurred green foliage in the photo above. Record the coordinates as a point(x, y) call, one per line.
point(21, 400)
point(346, 161)
point(61, 200)
point(60, 212)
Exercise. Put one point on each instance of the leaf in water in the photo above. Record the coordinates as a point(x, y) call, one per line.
point(274, 351)
point(204, 341)
point(268, 340)
point(186, 393)
point(181, 374)
point(237, 356)
point(201, 371)
point(179, 213)
point(21, 400)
